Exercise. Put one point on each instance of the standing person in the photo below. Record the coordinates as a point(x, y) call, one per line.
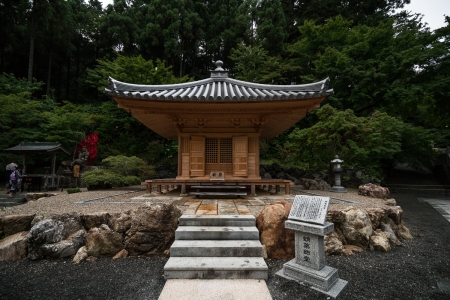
point(15, 181)
point(9, 169)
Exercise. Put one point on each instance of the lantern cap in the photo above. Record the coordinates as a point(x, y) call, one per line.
point(336, 160)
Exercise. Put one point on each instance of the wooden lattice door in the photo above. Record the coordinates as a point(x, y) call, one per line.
point(197, 153)
point(240, 153)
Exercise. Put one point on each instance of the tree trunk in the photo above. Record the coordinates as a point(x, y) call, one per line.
point(49, 75)
point(68, 79)
point(31, 58)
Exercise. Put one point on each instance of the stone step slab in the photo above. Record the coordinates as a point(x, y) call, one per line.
point(216, 233)
point(217, 220)
point(225, 248)
point(216, 268)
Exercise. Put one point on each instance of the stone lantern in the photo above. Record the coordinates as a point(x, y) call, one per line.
point(337, 169)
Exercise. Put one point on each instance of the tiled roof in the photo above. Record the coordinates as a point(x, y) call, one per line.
point(218, 88)
point(38, 147)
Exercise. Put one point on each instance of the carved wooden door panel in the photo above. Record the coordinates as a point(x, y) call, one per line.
point(240, 159)
point(197, 153)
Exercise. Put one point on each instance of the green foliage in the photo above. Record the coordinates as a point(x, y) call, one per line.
point(9, 84)
point(73, 190)
point(252, 63)
point(398, 68)
point(121, 171)
point(136, 70)
point(102, 178)
point(366, 143)
point(123, 165)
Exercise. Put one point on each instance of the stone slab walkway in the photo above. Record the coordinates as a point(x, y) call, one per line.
point(226, 289)
point(220, 206)
point(441, 205)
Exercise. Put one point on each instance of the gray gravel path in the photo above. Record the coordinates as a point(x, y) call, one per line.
point(413, 271)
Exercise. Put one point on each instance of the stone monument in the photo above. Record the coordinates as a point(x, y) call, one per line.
point(307, 219)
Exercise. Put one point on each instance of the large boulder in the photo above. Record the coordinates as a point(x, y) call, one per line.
point(387, 229)
point(121, 222)
point(152, 229)
point(54, 230)
point(316, 184)
point(403, 232)
point(395, 214)
point(14, 247)
point(278, 240)
point(13, 224)
point(65, 248)
point(81, 255)
point(44, 232)
point(376, 215)
point(357, 227)
point(91, 220)
point(379, 241)
point(374, 191)
point(102, 241)
point(333, 244)
point(335, 216)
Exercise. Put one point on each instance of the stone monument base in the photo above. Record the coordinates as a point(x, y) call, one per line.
point(325, 280)
point(338, 189)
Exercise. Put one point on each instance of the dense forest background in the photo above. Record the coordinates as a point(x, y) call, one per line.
point(390, 73)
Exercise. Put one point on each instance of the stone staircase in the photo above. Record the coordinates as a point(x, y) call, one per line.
point(216, 247)
point(18, 199)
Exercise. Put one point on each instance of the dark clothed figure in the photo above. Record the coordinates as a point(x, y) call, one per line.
point(15, 182)
point(9, 169)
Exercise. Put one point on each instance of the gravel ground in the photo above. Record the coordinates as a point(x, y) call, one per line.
point(411, 271)
point(119, 200)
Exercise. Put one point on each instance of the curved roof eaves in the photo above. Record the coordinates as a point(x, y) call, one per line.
point(227, 89)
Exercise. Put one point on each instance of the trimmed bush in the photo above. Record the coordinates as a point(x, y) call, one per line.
point(73, 190)
point(106, 179)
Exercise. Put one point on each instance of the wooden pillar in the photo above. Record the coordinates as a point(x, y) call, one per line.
point(149, 188)
point(53, 169)
point(253, 189)
point(24, 164)
point(277, 188)
point(287, 189)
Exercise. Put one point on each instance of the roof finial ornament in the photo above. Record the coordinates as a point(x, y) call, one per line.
point(219, 65)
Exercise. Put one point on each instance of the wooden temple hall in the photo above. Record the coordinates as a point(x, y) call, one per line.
point(218, 123)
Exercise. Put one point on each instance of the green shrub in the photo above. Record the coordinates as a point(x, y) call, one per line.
point(73, 190)
point(105, 178)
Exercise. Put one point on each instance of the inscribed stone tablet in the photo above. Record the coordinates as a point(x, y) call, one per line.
point(311, 209)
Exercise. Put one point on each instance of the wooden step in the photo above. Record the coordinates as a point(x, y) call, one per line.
point(218, 194)
point(218, 187)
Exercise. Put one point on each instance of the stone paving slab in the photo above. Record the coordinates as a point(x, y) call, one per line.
point(207, 206)
point(227, 289)
point(441, 205)
point(227, 208)
point(206, 212)
point(256, 202)
point(243, 210)
point(209, 201)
